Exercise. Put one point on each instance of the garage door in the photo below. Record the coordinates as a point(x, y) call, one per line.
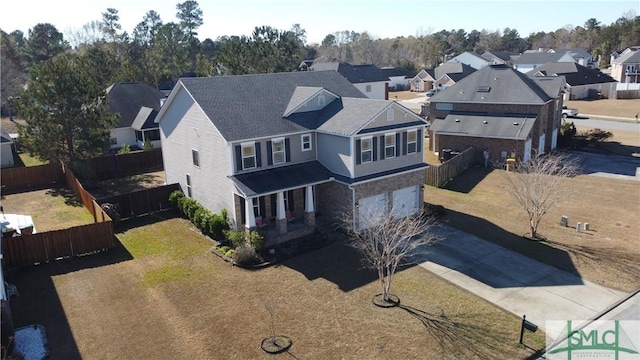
point(405, 202)
point(371, 210)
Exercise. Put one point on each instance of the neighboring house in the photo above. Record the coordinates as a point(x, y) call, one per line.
point(626, 67)
point(6, 149)
point(472, 59)
point(582, 82)
point(580, 56)
point(399, 78)
point(499, 109)
point(423, 80)
point(305, 145)
point(500, 57)
point(531, 60)
point(137, 105)
point(449, 73)
point(367, 78)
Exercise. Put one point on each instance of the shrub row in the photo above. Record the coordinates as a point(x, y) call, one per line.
point(209, 223)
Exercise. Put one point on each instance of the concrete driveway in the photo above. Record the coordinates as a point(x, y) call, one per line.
point(611, 166)
point(515, 282)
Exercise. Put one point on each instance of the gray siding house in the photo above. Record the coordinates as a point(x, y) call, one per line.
point(288, 151)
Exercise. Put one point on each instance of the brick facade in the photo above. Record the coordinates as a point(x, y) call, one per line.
point(547, 119)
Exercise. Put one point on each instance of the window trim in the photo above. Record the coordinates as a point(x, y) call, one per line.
point(391, 114)
point(283, 151)
point(195, 158)
point(370, 150)
point(302, 142)
point(255, 162)
point(414, 142)
point(189, 186)
point(387, 147)
point(255, 202)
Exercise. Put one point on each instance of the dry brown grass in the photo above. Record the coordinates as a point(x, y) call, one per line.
point(627, 108)
point(51, 209)
point(167, 297)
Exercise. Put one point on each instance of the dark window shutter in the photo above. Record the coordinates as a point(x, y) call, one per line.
point(287, 149)
point(274, 205)
point(258, 156)
point(243, 210)
point(261, 203)
point(374, 146)
point(419, 141)
point(404, 143)
point(358, 152)
point(382, 154)
point(398, 152)
point(269, 153)
point(291, 205)
point(238, 157)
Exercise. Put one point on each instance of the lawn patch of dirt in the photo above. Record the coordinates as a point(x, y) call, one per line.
point(128, 184)
point(102, 306)
point(51, 209)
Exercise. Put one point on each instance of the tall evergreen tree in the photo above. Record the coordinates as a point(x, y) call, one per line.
point(65, 109)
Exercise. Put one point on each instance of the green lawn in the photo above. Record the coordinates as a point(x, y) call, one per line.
point(29, 160)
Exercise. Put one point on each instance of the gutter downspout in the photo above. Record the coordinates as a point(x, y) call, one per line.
point(353, 206)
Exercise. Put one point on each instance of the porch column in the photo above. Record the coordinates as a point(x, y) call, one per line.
point(248, 208)
point(309, 211)
point(281, 215)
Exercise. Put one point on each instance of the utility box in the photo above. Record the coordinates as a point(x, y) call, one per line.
point(564, 221)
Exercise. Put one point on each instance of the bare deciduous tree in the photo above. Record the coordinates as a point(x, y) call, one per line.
point(388, 242)
point(540, 183)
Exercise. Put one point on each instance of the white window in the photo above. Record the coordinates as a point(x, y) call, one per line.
point(285, 196)
point(390, 115)
point(367, 88)
point(389, 145)
point(277, 150)
point(248, 156)
point(306, 142)
point(189, 194)
point(321, 100)
point(366, 150)
point(412, 141)
point(195, 158)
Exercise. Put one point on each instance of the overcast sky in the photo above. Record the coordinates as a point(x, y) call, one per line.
point(381, 19)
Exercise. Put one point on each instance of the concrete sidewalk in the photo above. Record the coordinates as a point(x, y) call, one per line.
point(515, 282)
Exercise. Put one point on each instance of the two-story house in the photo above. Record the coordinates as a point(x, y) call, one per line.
point(625, 68)
point(287, 150)
point(470, 58)
point(499, 109)
point(582, 82)
point(530, 60)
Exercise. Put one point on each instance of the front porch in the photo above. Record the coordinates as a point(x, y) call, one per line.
point(279, 216)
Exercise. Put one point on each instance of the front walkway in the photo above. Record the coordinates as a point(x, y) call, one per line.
point(514, 282)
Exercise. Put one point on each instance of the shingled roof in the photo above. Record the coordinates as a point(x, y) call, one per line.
point(356, 74)
point(575, 74)
point(501, 84)
point(252, 106)
point(127, 99)
point(489, 126)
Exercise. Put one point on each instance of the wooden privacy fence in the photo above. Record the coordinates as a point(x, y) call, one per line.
point(440, 175)
point(113, 166)
point(32, 176)
point(143, 201)
point(52, 245)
